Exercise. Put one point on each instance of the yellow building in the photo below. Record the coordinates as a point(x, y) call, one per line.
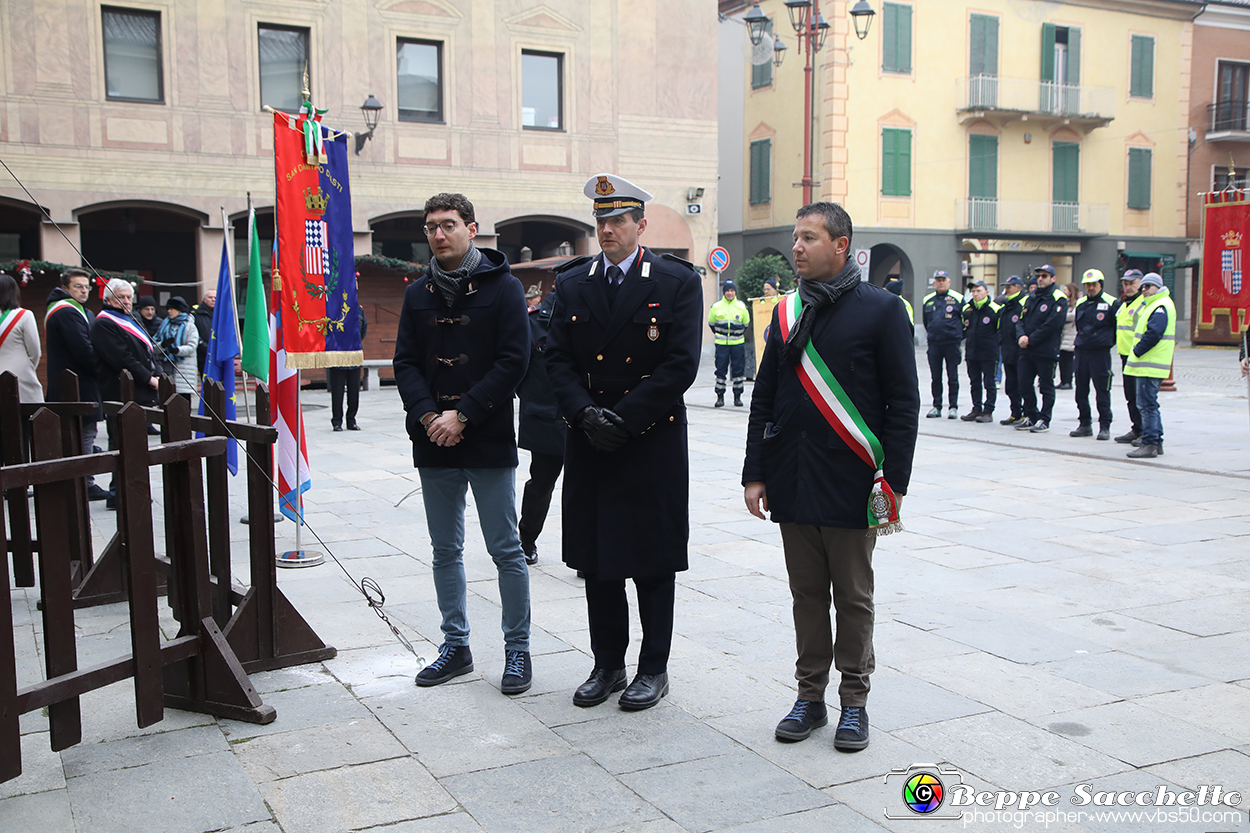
point(985, 137)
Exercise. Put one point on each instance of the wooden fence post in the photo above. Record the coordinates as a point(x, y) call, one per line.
point(12, 452)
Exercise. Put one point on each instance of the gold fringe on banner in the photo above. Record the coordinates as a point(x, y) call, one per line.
point(336, 358)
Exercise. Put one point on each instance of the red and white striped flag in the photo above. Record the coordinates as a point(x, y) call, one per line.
point(284, 401)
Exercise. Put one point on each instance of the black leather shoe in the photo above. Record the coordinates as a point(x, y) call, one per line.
point(337, 427)
point(644, 692)
point(531, 553)
point(352, 426)
point(599, 687)
point(94, 492)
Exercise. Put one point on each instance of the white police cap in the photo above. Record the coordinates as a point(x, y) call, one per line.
point(614, 195)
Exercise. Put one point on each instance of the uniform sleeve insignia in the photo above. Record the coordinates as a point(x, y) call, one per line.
point(1042, 308)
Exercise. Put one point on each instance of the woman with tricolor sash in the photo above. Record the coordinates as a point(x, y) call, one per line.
point(19, 341)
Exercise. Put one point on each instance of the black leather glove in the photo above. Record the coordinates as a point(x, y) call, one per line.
point(604, 428)
point(170, 345)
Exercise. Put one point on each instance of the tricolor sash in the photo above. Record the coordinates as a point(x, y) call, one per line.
point(840, 412)
point(123, 321)
point(12, 316)
point(64, 303)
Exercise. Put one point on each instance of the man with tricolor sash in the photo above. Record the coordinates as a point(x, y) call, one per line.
point(829, 455)
point(67, 331)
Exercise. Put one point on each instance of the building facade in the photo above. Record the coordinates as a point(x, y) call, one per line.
point(132, 123)
point(981, 138)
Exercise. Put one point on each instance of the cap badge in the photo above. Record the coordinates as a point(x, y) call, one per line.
point(604, 188)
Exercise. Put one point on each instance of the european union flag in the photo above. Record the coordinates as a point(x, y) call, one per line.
point(223, 348)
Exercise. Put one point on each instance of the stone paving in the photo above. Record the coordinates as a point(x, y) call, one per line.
point(1055, 615)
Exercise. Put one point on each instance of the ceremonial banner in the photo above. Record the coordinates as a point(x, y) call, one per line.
point(1223, 297)
point(223, 348)
point(290, 459)
point(316, 258)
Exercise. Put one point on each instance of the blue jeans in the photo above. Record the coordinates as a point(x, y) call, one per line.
point(494, 490)
point(1148, 404)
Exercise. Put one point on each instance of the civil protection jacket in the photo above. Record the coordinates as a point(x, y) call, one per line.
point(67, 332)
point(469, 357)
point(1042, 321)
point(811, 475)
point(981, 330)
point(626, 513)
point(728, 320)
point(942, 320)
point(1096, 321)
point(1008, 316)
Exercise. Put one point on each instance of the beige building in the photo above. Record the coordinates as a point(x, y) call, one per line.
point(132, 123)
point(982, 138)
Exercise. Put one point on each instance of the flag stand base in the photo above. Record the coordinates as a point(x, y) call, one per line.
point(299, 558)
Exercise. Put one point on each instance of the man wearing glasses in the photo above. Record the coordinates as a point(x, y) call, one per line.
point(461, 351)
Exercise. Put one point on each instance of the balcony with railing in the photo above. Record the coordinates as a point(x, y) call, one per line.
point(1229, 121)
point(986, 214)
point(1009, 99)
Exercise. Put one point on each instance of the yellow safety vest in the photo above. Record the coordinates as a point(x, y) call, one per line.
point(729, 321)
point(1126, 324)
point(1157, 362)
point(911, 315)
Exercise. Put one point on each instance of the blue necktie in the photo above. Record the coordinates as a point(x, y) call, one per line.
point(615, 278)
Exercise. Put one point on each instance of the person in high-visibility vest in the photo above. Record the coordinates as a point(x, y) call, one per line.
point(895, 286)
point(728, 319)
point(1131, 300)
point(1154, 340)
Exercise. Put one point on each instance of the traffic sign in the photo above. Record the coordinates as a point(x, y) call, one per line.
point(718, 259)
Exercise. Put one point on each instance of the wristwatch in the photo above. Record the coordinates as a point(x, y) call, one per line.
point(460, 416)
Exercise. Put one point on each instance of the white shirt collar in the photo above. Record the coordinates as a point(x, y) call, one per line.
point(625, 265)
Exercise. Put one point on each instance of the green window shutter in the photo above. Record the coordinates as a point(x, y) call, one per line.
point(896, 38)
point(1141, 77)
point(983, 57)
point(895, 162)
point(1048, 52)
point(1066, 172)
point(1074, 57)
point(1139, 164)
point(760, 173)
point(982, 167)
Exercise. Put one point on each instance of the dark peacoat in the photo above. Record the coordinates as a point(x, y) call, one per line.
point(540, 428)
point(811, 475)
point(1042, 319)
point(626, 513)
point(117, 350)
point(68, 337)
point(469, 357)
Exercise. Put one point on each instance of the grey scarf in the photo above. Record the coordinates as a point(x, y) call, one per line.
point(815, 296)
point(448, 282)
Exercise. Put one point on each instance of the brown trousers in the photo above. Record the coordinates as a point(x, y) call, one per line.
point(827, 566)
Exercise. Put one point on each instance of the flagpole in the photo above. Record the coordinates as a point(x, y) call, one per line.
point(251, 220)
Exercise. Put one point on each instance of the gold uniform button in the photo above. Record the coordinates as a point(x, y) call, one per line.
point(652, 320)
point(574, 317)
point(599, 357)
point(628, 360)
point(672, 419)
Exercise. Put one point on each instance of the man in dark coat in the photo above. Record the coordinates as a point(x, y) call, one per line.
point(540, 430)
point(460, 353)
point(623, 348)
point(203, 317)
point(67, 330)
point(1095, 336)
point(850, 343)
point(120, 343)
point(1011, 302)
point(981, 346)
point(1038, 333)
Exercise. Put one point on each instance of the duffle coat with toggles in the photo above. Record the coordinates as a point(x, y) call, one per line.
point(626, 513)
point(469, 357)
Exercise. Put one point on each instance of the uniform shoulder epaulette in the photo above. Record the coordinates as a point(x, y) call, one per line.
point(676, 259)
point(995, 306)
point(926, 298)
point(575, 262)
point(955, 295)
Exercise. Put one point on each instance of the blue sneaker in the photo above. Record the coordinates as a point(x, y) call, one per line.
point(852, 734)
point(805, 716)
point(452, 661)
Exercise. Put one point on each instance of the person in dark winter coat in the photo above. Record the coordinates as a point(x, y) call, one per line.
point(342, 380)
point(460, 352)
point(540, 429)
point(940, 312)
point(67, 332)
point(1095, 315)
point(807, 463)
point(146, 309)
point(981, 346)
point(1010, 303)
point(622, 350)
point(203, 317)
point(1039, 332)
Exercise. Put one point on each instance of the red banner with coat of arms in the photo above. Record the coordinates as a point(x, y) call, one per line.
point(1223, 297)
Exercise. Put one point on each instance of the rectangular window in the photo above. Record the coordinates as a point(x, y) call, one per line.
point(1065, 213)
point(420, 74)
point(542, 91)
point(283, 59)
point(1139, 178)
point(983, 61)
point(896, 162)
point(982, 182)
point(761, 171)
point(896, 38)
point(1142, 71)
point(762, 74)
point(1061, 69)
point(1230, 110)
point(132, 55)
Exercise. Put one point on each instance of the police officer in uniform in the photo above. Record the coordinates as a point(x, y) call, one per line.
point(981, 316)
point(622, 349)
point(944, 325)
point(1010, 303)
point(728, 319)
point(1095, 336)
point(1038, 332)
